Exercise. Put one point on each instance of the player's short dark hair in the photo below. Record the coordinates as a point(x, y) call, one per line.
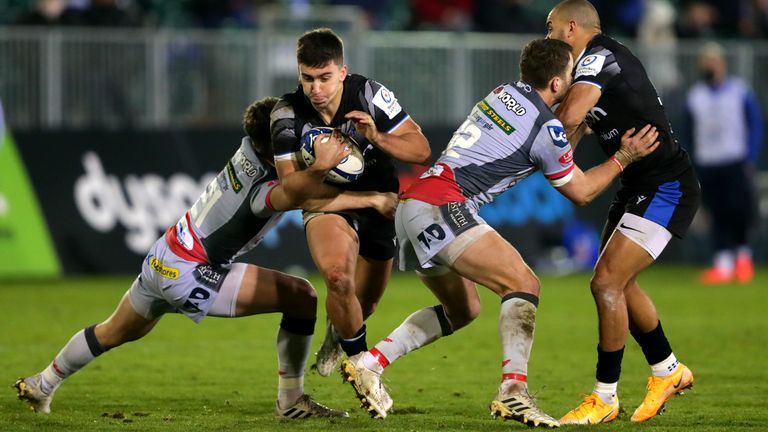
point(542, 60)
point(256, 125)
point(318, 47)
point(582, 12)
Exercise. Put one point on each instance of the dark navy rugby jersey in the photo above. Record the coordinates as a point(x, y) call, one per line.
point(294, 115)
point(628, 100)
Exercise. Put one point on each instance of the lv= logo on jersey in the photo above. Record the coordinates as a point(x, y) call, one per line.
point(557, 133)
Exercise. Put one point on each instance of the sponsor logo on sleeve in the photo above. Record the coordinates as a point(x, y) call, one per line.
point(557, 133)
point(161, 269)
point(590, 65)
point(387, 102)
point(567, 157)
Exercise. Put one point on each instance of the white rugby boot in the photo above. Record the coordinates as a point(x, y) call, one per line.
point(520, 406)
point(367, 384)
point(29, 390)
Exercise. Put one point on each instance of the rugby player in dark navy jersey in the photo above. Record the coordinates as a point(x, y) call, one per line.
point(353, 249)
point(658, 199)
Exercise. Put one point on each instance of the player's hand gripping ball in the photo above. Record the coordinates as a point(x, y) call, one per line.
point(348, 170)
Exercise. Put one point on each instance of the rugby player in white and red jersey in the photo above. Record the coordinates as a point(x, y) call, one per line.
point(508, 136)
point(192, 269)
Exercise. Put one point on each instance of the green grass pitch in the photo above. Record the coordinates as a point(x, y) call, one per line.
point(221, 374)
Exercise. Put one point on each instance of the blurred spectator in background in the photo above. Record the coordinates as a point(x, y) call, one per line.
point(224, 13)
point(620, 17)
point(443, 15)
point(377, 12)
point(50, 13)
point(697, 20)
point(754, 18)
point(107, 13)
point(508, 16)
point(725, 138)
point(719, 18)
point(657, 31)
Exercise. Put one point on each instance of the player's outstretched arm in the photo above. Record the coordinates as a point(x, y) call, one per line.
point(585, 186)
point(383, 202)
point(406, 143)
point(573, 109)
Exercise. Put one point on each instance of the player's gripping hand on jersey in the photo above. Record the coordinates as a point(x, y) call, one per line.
point(635, 146)
point(365, 125)
point(407, 144)
point(584, 187)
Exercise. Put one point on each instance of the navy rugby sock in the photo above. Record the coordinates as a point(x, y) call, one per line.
point(356, 344)
point(654, 344)
point(609, 365)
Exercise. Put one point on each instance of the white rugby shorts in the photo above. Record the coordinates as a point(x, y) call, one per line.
point(168, 283)
point(645, 233)
point(431, 238)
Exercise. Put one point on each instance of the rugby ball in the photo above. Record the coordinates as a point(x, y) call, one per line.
point(348, 170)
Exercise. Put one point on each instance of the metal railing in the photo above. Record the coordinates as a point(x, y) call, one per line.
point(76, 78)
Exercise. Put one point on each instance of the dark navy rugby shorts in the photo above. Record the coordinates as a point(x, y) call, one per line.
point(672, 204)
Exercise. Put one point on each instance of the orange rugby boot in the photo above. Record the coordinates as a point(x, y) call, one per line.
point(660, 390)
point(592, 411)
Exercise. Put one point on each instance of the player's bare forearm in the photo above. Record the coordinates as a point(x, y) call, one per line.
point(635, 145)
point(299, 186)
point(306, 190)
point(411, 147)
point(383, 202)
point(302, 190)
point(586, 186)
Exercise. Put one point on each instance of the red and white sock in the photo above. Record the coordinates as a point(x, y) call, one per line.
point(81, 349)
point(421, 328)
point(517, 320)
